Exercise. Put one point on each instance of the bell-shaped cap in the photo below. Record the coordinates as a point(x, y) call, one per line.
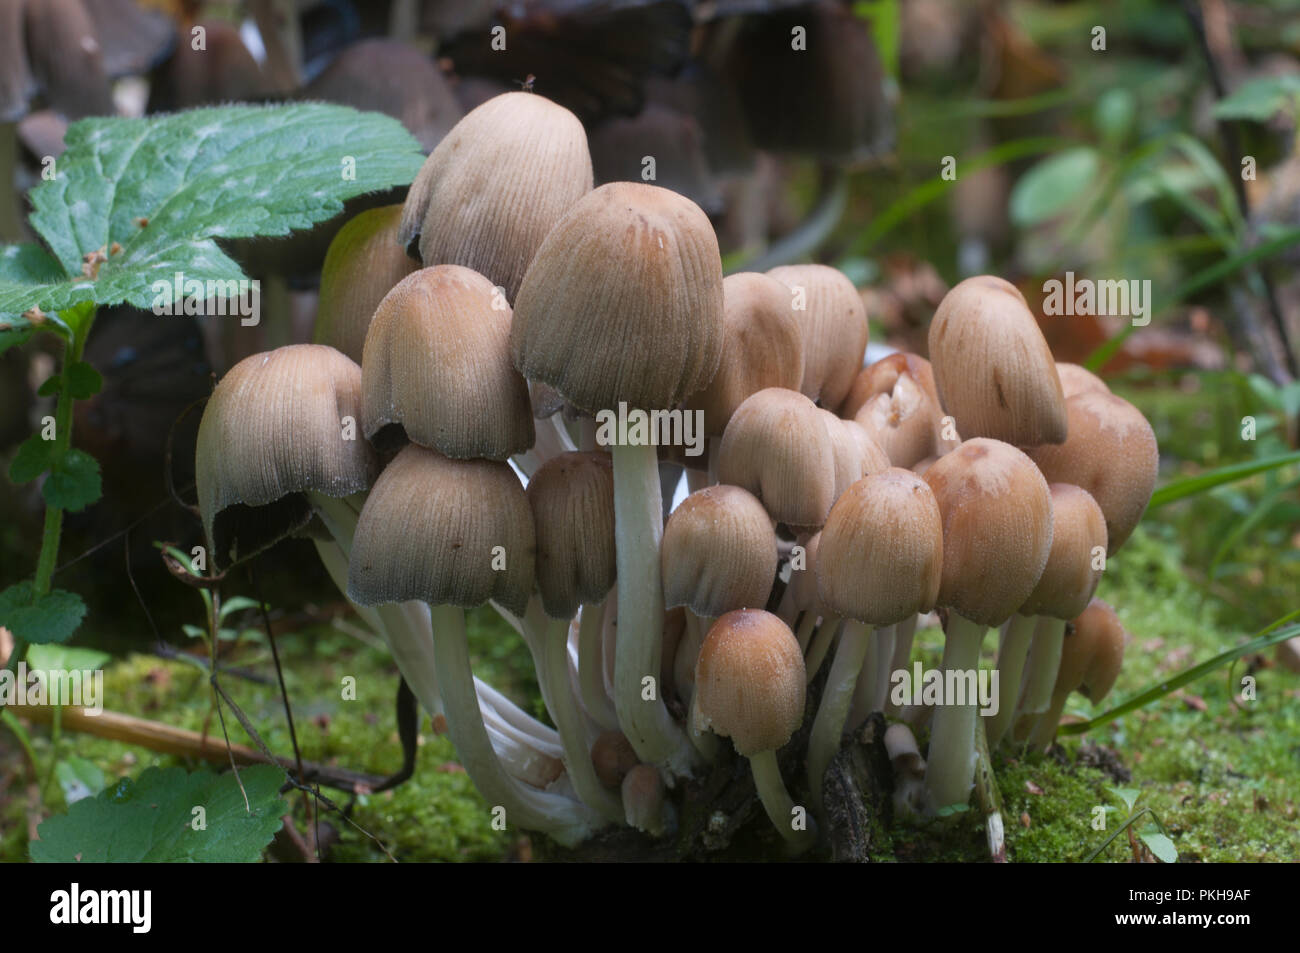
point(572, 499)
point(278, 425)
point(749, 681)
point(1075, 379)
point(1077, 557)
point(718, 552)
point(437, 363)
point(856, 453)
point(833, 322)
point(992, 366)
point(997, 528)
point(623, 302)
point(496, 185)
point(881, 550)
point(443, 531)
point(1092, 652)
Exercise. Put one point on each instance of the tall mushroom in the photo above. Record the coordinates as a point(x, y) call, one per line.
point(833, 321)
point(631, 273)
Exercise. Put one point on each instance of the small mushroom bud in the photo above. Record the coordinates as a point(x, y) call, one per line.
point(363, 263)
point(572, 499)
point(645, 803)
point(1090, 662)
point(909, 769)
point(1111, 452)
point(613, 758)
point(833, 322)
point(992, 366)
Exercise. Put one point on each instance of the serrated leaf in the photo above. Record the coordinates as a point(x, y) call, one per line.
point(73, 483)
point(35, 455)
point(65, 658)
point(78, 778)
point(28, 266)
point(1259, 99)
point(166, 188)
point(1053, 185)
point(1160, 845)
point(53, 619)
point(83, 381)
point(151, 820)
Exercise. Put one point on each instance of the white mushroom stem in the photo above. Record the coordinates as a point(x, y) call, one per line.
point(573, 732)
point(524, 761)
point(638, 528)
point(1040, 670)
point(804, 633)
point(1011, 666)
point(821, 645)
point(591, 678)
point(950, 767)
point(566, 820)
point(1043, 732)
point(901, 661)
point(780, 807)
point(836, 701)
point(873, 683)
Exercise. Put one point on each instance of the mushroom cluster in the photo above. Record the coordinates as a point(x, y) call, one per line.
point(521, 388)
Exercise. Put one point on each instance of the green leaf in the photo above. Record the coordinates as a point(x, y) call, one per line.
point(237, 604)
point(153, 820)
point(83, 381)
point(51, 386)
point(26, 266)
point(1160, 845)
point(1128, 796)
point(35, 455)
point(1201, 482)
point(53, 619)
point(1260, 99)
point(1053, 185)
point(78, 778)
point(74, 482)
point(167, 188)
point(66, 658)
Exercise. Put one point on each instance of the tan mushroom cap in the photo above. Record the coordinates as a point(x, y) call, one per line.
point(496, 185)
point(437, 363)
point(1073, 570)
point(718, 552)
point(623, 301)
point(992, 366)
point(803, 582)
point(447, 532)
point(902, 422)
point(363, 263)
point(276, 427)
point(645, 803)
point(883, 376)
point(1092, 653)
point(997, 528)
point(833, 322)
point(613, 757)
point(761, 347)
point(1111, 452)
point(881, 551)
point(777, 447)
point(1075, 379)
point(749, 681)
point(572, 499)
point(856, 453)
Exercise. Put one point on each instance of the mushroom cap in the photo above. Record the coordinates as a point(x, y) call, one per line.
point(803, 582)
point(437, 363)
point(274, 428)
point(903, 422)
point(1070, 577)
point(436, 529)
point(16, 81)
point(997, 528)
point(881, 551)
point(833, 322)
point(762, 346)
point(613, 757)
point(572, 499)
point(718, 552)
point(992, 366)
point(856, 453)
point(1111, 452)
point(883, 376)
point(644, 799)
point(363, 263)
point(1092, 652)
point(778, 449)
point(749, 681)
point(66, 57)
point(496, 185)
point(1075, 379)
point(632, 274)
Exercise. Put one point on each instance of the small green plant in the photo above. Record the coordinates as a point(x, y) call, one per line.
point(1153, 835)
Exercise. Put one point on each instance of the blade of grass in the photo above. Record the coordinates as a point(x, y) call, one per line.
point(1201, 482)
point(1252, 520)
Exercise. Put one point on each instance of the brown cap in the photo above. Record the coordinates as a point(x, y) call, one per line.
point(718, 552)
point(631, 273)
point(1072, 572)
point(1092, 652)
point(572, 498)
point(645, 803)
point(883, 376)
point(276, 427)
point(1075, 379)
point(803, 582)
point(362, 265)
point(833, 321)
point(447, 532)
point(761, 347)
point(749, 681)
point(66, 57)
point(777, 447)
point(495, 186)
point(613, 757)
point(1111, 452)
point(992, 366)
point(997, 528)
point(881, 551)
point(437, 364)
point(856, 453)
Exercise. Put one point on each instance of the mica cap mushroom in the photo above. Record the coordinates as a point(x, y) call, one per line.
point(833, 322)
point(719, 552)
